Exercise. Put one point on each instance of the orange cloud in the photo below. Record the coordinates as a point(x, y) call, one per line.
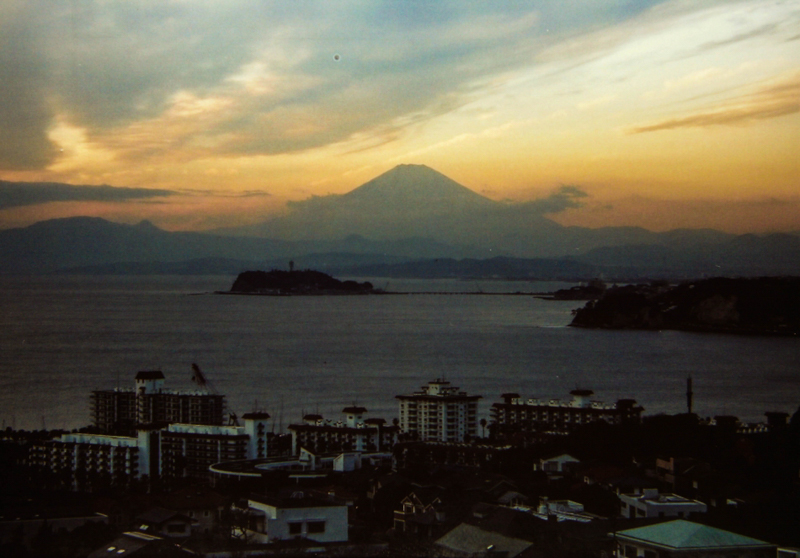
point(778, 99)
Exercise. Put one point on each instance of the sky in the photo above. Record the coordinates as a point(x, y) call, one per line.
point(205, 114)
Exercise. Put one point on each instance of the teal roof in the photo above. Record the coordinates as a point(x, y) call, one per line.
point(684, 535)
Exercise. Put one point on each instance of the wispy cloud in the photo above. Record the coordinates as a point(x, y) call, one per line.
point(184, 81)
point(769, 101)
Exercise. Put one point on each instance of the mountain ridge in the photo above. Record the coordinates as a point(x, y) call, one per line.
point(409, 213)
point(94, 245)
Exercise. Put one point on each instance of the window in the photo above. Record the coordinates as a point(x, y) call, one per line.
point(316, 527)
point(295, 528)
point(630, 551)
point(650, 554)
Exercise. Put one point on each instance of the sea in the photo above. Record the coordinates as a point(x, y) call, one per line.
point(63, 336)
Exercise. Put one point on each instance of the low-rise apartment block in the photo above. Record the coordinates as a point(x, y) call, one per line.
point(353, 433)
point(298, 516)
point(555, 415)
point(651, 503)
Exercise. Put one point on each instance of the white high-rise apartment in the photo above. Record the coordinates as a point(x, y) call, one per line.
point(440, 413)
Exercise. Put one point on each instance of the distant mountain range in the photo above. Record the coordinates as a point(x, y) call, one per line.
point(410, 221)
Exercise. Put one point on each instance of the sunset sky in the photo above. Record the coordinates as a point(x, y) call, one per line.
point(203, 114)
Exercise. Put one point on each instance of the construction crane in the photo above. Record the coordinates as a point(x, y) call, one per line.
point(203, 383)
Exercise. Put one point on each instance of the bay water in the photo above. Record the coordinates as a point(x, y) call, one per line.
point(63, 336)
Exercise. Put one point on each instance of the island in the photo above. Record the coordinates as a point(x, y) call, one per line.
point(306, 282)
point(763, 306)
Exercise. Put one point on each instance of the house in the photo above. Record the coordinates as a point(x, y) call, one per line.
point(651, 503)
point(557, 464)
point(679, 538)
point(560, 510)
point(420, 513)
point(203, 505)
point(300, 515)
point(163, 522)
point(681, 474)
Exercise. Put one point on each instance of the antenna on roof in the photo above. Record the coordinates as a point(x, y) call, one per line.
point(280, 417)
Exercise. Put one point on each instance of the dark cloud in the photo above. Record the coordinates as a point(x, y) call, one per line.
point(24, 113)
point(17, 194)
point(225, 193)
point(566, 197)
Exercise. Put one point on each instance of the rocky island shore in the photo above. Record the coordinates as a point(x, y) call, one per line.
point(761, 306)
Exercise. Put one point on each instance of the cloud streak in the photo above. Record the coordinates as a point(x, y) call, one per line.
point(772, 101)
point(19, 194)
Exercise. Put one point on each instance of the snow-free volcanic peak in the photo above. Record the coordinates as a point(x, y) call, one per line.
point(409, 185)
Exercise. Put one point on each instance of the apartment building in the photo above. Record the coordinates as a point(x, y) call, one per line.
point(118, 411)
point(173, 451)
point(555, 415)
point(352, 433)
point(439, 412)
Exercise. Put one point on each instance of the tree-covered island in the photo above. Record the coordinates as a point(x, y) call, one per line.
point(306, 282)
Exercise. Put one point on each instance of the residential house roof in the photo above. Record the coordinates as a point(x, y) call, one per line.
point(687, 535)
point(473, 540)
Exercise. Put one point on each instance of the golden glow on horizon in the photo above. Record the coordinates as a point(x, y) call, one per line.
point(683, 115)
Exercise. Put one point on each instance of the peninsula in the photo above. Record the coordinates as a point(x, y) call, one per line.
point(761, 306)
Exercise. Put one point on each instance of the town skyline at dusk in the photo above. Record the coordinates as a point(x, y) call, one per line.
point(198, 116)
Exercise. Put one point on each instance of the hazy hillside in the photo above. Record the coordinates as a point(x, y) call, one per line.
point(99, 246)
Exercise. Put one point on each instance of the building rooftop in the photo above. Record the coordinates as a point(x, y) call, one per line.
point(127, 544)
point(296, 500)
point(661, 498)
point(158, 516)
point(687, 535)
point(472, 540)
point(354, 410)
point(150, 375)
point(259, 415)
